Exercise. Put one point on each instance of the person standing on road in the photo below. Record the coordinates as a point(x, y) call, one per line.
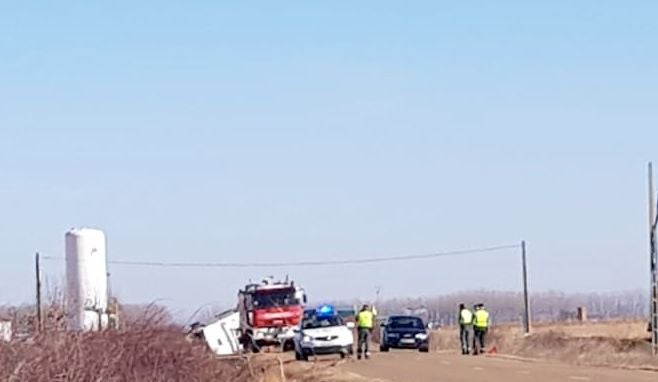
point(365, 321)
point(465, 326)
point(480, 328)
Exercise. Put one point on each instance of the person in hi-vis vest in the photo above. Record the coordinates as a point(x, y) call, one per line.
point(365, 320)
point(480, 328)
point(465, 327)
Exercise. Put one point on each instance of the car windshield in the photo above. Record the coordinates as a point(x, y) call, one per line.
point(345, 313)
point(405, 323)
point(274, 298)
point(315, 322)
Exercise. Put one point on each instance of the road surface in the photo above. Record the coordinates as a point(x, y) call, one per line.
point(410, 366)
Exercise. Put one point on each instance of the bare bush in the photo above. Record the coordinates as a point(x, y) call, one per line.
point(149, 348)
point(142, 317)
point(160, 354)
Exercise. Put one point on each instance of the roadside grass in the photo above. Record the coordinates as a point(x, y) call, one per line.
point(619, 344)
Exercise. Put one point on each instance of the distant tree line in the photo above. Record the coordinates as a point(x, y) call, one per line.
point(508, 306)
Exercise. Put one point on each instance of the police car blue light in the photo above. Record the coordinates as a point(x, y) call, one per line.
point(325, 311)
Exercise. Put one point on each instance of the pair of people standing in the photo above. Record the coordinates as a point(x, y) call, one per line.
point(476, 321)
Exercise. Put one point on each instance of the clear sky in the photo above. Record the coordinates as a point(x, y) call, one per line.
point(263, 131)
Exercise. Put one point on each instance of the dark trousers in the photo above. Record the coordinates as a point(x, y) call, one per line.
point(364, 341)
point(464, 334)
point(479, 337)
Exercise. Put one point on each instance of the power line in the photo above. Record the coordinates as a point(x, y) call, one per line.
point(306, 263)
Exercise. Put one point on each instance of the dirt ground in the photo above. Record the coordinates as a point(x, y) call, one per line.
point(589, 351)
point(410, 366)
point(283, 368)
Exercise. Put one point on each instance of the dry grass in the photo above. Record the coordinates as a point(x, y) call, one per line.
point(631, 329)
point(613, 344)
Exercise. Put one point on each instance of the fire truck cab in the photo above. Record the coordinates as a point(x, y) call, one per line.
point(269, 313)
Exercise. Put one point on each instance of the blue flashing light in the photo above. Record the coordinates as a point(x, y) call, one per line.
point(325, 311)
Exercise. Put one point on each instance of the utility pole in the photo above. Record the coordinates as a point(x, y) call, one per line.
point(653, 263)
point(38, 276)
point(526, 299)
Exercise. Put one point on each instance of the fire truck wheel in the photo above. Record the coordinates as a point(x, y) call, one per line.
point(250, 344)
point(288, 345)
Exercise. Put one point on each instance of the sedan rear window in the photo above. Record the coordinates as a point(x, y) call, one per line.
point(405, 323)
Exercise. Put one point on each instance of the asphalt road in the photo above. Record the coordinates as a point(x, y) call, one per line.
point(410, 366)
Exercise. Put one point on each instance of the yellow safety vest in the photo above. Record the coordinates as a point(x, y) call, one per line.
point(481, 318)
point(466, 317)
point(365, 319)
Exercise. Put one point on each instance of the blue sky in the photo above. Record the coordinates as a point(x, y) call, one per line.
point(265, 131)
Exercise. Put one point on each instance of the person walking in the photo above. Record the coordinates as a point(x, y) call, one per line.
point(465, 327)
point(480, 328)
point(365, 321)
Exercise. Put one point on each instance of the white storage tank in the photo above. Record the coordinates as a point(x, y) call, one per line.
point(86, 279)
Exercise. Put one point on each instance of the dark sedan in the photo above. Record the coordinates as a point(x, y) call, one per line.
point(404, 332)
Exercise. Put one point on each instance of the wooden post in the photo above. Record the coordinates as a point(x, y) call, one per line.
point(38, 285)
point(526, 299)
point(582, 313)
point(653, 264)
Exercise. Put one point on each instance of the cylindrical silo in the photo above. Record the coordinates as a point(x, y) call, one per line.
point(86, 278)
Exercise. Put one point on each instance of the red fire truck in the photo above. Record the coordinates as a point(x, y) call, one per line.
point(270, 311)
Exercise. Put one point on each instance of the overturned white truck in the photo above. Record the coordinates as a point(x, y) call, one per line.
point(222, 335)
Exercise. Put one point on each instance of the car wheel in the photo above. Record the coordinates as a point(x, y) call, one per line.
point(298, 356)
point(424, 350)
point(383, 349)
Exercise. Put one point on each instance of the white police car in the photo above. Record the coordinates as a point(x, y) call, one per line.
point(323, 332)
